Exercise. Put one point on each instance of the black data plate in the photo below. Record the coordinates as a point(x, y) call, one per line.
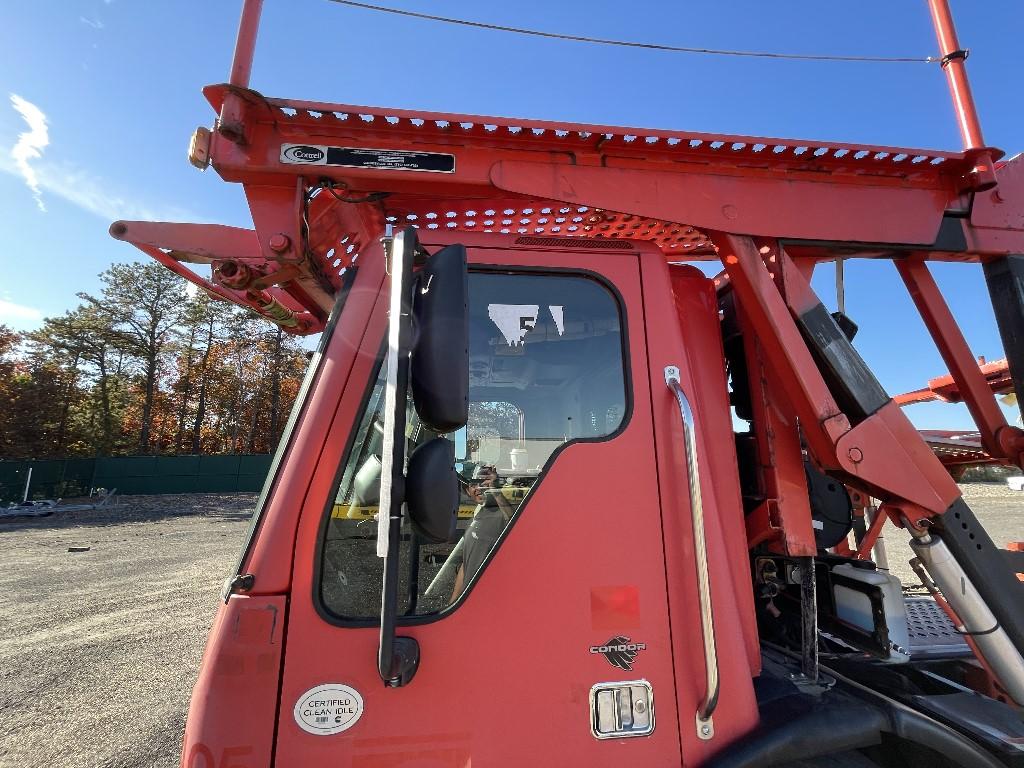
point(361, 157)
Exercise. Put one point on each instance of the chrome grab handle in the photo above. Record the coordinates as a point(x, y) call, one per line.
point(705, 727)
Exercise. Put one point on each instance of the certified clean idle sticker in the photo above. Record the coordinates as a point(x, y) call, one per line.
point(328, 709)
point(362, 157)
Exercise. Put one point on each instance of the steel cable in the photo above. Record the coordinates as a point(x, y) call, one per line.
point(648, 46)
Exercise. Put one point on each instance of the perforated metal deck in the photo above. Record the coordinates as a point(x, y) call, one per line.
point(932, 634)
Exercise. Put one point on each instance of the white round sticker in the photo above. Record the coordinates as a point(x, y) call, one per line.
point(328, 709)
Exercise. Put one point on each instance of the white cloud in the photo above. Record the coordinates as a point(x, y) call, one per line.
point(72, 183)
point(30, 144)
point(94, 23)
point(92, 194)
point(18, 313)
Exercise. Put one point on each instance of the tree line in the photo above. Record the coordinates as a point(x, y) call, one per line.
point(146, 367)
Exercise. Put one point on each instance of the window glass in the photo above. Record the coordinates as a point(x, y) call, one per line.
point(545, 368)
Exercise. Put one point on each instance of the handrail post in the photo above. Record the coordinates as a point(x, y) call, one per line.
point(231, 112)
point(245, 43)
point(953, 57)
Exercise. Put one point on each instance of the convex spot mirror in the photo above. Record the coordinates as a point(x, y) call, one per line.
point(366, 487)
point(439, 371)
point(432, 491)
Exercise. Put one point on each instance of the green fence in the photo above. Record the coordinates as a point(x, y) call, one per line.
point(65, 478)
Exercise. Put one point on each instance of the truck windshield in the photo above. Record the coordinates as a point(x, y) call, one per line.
point(545, 369)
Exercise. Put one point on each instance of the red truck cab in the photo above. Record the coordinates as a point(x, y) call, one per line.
point(550, 495)
point(590, 586)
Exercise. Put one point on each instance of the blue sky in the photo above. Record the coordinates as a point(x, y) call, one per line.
point(118, 85)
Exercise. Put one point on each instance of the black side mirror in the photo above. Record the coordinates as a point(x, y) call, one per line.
point(432, 491)
point(439, 371)
point(436, 369)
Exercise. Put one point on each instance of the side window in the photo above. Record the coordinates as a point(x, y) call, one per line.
point(545, 368)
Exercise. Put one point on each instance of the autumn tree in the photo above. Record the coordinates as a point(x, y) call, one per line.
point(142, 304)
point(211, 317)
point(86, 337)
point(32, 404)
point(142, 366)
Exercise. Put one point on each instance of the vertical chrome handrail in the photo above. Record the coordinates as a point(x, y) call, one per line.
point(705, 726)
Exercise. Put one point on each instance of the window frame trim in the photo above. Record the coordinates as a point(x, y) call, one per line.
point(337, 620)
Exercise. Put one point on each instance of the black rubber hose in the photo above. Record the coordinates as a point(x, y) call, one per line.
point(835, 728)
point(823, 731)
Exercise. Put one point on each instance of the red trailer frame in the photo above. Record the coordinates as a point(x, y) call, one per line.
point(324, 181)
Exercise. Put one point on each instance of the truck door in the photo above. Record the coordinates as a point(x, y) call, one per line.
point(543, 625)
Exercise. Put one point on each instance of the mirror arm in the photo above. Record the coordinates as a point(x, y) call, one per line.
point(397, 657)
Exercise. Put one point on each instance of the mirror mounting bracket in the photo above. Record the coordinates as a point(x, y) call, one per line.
point(405, 659)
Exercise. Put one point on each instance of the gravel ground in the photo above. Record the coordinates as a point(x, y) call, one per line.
point(999, 509)
point(99, 650)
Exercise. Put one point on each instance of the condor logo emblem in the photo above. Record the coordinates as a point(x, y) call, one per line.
point(620, 652)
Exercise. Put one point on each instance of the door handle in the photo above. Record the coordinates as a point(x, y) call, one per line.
point(705, 725)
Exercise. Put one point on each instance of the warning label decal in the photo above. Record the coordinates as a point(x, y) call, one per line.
point(328, 709)
point(351, 157)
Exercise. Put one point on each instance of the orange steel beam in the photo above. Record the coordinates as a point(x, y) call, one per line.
point(1000, 439)
point(785, 514)
point(883, 453)
point(982, 176)
point(790, 360)
point(871, 537)
point(231, 124)
point(997, 379)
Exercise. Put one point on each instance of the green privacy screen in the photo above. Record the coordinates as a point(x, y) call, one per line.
point(66, 478)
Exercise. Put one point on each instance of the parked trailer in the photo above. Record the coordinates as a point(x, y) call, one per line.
point(509, 327)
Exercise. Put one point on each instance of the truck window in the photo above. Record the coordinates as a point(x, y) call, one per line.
point(545, 369)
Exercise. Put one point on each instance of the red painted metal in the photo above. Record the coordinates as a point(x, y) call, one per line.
point(953, 63)
point(956, 449)
point(785, 515)
point(691, 341)
point(568, 557)
point(883, 454)
point(999, 439)
point(544, 179)
point(231, 115)
point(996, 376)
point(346, 366)
point(245, 43)
point(871, 537)
point(231, 720)
point(791, 361)
point(784, 518)
point(695, 306)
point(625, 204)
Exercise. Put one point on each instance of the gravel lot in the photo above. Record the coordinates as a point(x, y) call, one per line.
point(999, 509)
point(99, 650)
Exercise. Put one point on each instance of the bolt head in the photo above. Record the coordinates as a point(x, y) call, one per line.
point(279, 242)
point(855, 454)
point(705, 729)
